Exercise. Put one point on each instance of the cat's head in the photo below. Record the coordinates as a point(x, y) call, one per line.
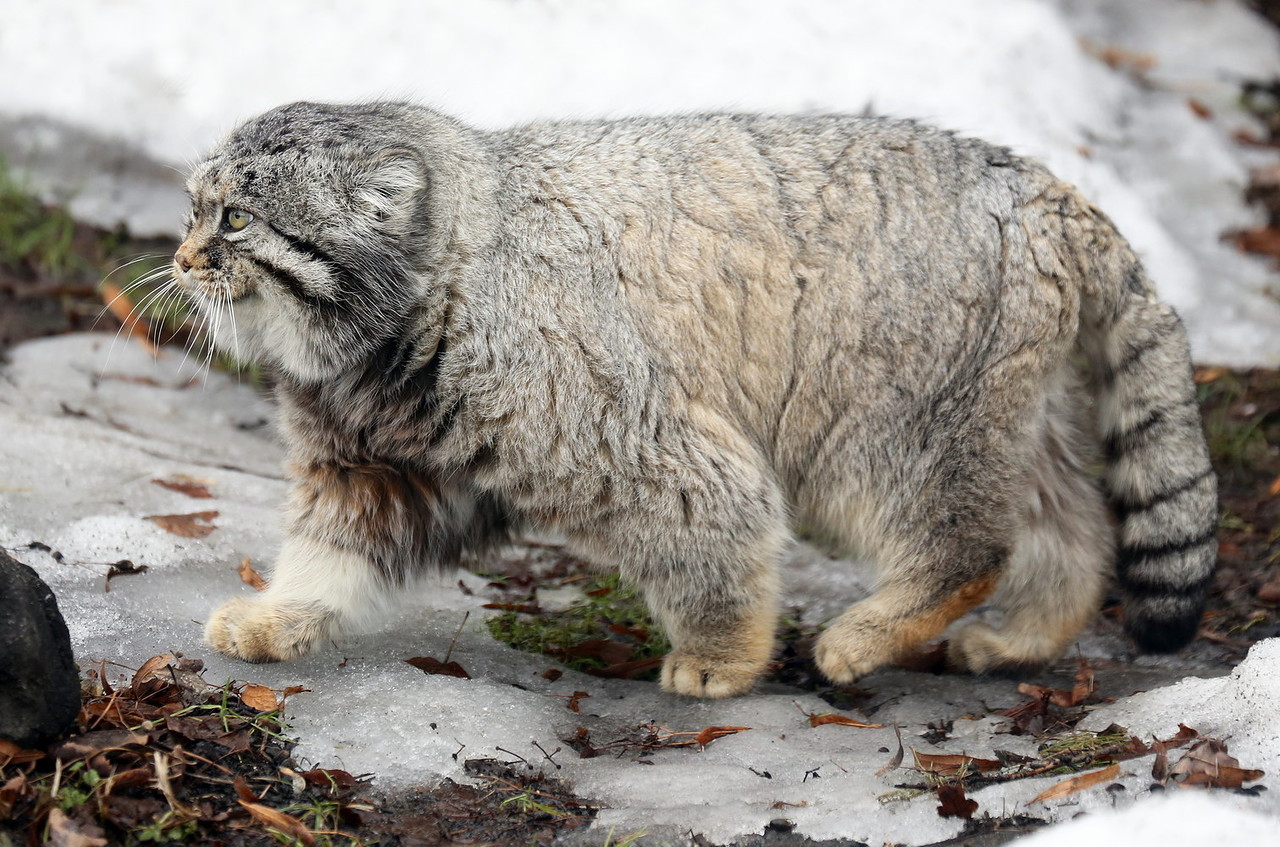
point(304, 247)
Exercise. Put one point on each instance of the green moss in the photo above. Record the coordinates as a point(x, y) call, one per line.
point(610, 611)
point(35, 239)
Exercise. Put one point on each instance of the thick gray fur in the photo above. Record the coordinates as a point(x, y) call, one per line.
point(683, 341)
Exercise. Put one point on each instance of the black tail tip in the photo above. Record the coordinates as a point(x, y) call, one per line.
point(1162, 635)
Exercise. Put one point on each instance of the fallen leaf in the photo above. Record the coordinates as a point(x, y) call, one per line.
point(188, 485)
point(431, 666)
point(1274, 488)
point(1160, 767)
point(1269, 591)
point(1083, 688)
point(69, 832)
point(330, 778)
point(277, 820)
point(122, 307)
point(841, 720)
point(552, 674)
point(152, 668)
point(609, 652)
point(1077, 783)
point(953, 804)
point(711, 733)
point(1199, 109)
point(251, 577)
point(897, 757)
point(9, 794)
point(575, 701)
point(950, 764)
point(525, 608)
point(1207, 763)
point(1209, 374)
point(259, 697)
point(193, 525)
point(627, 670)
point(124, 567)
point(1127, 61)
point(12, 754)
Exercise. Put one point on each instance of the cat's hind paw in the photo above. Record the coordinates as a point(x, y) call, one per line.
point(256, 630)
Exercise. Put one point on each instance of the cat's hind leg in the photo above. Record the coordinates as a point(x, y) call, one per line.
point(1061, 558)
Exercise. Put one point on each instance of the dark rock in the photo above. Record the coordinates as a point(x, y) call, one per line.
point(39, 683)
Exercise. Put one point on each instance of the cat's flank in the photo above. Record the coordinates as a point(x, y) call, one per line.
point(682, 342)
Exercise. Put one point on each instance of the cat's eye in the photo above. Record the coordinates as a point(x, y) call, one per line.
point(238, 218)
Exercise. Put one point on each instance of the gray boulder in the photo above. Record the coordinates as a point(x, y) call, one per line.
point(39, 683)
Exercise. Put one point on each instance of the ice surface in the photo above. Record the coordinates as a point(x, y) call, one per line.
point(84, 437)
point(115, 99)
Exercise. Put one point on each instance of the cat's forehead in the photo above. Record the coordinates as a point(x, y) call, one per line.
point(302, 143)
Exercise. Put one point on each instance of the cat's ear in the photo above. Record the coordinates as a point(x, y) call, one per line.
point(390, 188)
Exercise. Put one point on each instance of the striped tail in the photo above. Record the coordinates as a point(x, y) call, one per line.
point(1161, 484)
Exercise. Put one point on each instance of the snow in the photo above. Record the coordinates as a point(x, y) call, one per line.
point(89, 424)
point(113, 99)
point(116, 98)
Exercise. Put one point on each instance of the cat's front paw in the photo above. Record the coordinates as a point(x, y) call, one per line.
point(703, 676)
point(256, 630)
point(843, 654)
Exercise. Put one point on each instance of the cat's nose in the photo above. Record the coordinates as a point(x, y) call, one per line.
point(183, 262)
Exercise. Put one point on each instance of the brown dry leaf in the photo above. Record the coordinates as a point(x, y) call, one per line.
point(292, 690)
point(950, 764)
point(552, 674)
point(124, 567)
point(259, 697)
point(122, 307)
point(1085, 684)
point(1274, 488)
point(99, 741)
point(953, 804)
point(431, 666)
point(897, 757)
point(12, 754)
point(1209, 374)
point(154, 667)
point(188, 485)
point(1264, 240)
point(1119, 58)
point(1160, 767)
point(286, 824)
point(1077, 783)
point(1199, 109)
point(251, 577)
point(9, 794)
point(69, 832)
point(192, 525)
point(841, 720)
point(627, 670)
point(575, 701)
point(1207, 763)
point(711, 733)
point(330, 778)
point(609, 652)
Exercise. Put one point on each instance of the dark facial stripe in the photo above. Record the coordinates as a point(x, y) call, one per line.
point(310, 250)
point(290, 282)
